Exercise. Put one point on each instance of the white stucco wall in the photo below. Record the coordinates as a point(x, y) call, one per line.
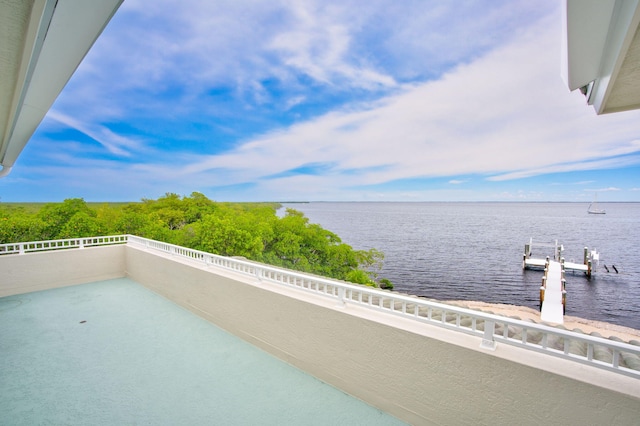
point(419, 373)
point(44, 270)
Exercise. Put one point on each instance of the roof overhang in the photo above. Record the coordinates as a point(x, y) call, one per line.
point(42, 42)
point(602, 52)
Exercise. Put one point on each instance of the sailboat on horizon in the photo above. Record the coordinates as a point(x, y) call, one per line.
point(593, 207)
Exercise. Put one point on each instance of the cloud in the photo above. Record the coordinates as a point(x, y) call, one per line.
point(331, 100)
point(319, 46)
point(606, 163)
point(180, 51)
point(505, 116)
point(294, 101)
point(112, 142)
point(610, 189)
point(183, 50)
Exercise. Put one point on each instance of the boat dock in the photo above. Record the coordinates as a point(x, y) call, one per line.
point(553, 293)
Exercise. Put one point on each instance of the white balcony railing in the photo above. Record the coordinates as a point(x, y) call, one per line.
point(612, 355)
point(33, 246)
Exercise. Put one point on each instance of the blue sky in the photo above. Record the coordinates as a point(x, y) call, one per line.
point(328, 100)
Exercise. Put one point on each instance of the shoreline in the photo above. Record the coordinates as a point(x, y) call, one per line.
point(585, 326)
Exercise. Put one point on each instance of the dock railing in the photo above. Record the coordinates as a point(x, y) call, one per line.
point(616, 356)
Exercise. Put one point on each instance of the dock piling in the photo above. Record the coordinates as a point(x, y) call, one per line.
point(543, 287)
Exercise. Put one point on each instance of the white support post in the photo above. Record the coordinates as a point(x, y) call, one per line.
point(341, 302)
point(487, 340)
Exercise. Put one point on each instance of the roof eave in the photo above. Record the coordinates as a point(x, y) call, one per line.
point(59, 35)
point(598, 35)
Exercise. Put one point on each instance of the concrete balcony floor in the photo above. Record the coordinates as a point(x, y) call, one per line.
point(114, 352)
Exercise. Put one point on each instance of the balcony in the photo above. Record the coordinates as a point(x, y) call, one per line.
point(113, 352)
point(405, 357)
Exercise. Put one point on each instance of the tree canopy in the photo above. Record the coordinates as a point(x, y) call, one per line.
point(251, 230)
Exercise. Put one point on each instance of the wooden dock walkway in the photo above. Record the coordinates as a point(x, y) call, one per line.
point(552, 293)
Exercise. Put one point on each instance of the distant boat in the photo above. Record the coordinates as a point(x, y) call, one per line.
point(593, 207)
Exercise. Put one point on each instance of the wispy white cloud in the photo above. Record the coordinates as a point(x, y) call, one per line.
point(515, 123)
point(238, 97)
point(294, 101)
point(186, 49)
point(112, 142)
point(609, 189)
point(606, 163)
point(319, 46)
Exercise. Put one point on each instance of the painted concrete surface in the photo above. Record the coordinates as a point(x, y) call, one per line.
point(552, 308)
point(114, 352)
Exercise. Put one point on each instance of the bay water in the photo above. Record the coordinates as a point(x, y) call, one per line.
point(473, 251)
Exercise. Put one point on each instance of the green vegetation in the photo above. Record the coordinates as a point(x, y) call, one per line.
point(250, 230)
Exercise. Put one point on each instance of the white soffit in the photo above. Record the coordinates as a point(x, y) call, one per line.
point(602, 52)
point(42, 42)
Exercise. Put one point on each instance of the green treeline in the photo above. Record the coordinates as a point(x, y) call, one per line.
point(250, 230)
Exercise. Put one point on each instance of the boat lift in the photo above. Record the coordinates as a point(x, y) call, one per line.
point(588, 265)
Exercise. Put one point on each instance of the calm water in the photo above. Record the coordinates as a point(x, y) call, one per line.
point(473, 251)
